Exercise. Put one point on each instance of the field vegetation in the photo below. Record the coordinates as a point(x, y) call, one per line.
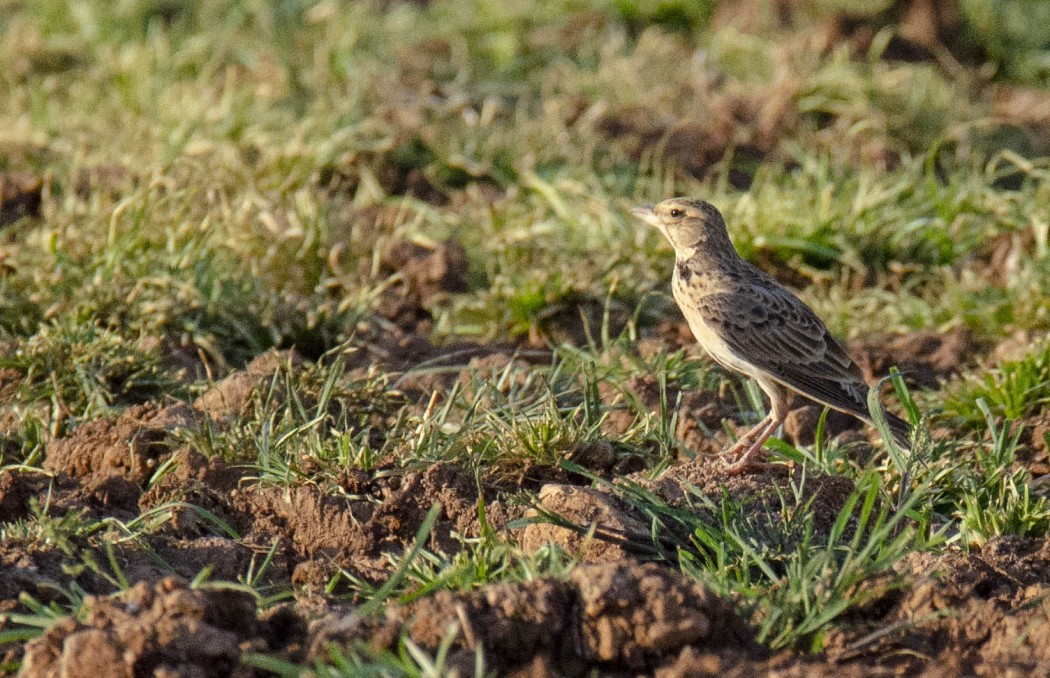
point(328, 345)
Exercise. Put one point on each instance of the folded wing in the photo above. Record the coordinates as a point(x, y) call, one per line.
point(772, 329)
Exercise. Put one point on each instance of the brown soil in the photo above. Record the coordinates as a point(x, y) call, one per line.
point(700, 414)
point(424, 277)
point(622, 616)
point(924, 358)
point(585, 506)
point(980, 614)
point(109, 467)
point(614, 615)
point(163, 629)
point(743, 128)
point(128, 447)
point(618, 531)
point(21, 195)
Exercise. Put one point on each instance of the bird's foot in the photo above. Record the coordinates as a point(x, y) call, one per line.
point(747, 463)
point(750, 446)
point(747, 441)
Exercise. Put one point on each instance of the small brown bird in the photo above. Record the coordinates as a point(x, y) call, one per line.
point(750, 323)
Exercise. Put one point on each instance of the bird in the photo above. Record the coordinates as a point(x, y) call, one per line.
point(750, 323)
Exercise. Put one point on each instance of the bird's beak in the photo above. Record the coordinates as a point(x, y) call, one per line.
point(646, 214)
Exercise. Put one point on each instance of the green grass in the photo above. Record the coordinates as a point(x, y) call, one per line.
point(1013, 390)
point(996, 497)
point(84, 370)
point(407, 660)
point(319, 416)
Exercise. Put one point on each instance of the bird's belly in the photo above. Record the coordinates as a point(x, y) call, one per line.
point(708, 338)
point(717, 348)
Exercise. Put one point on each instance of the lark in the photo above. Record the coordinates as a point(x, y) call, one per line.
point(750, 323)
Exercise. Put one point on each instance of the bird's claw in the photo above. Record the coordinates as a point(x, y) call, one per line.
point(745, 463)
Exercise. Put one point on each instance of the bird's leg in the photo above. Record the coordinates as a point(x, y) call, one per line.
point(745, 440)
point(745, 462)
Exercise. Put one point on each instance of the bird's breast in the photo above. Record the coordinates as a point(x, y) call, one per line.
point(687, 296)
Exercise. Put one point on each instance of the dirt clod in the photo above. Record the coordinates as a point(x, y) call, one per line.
point(130, 446)
point(160, 629)
point(598, 455)
point(21, 195)
point(583, 506)
point(198, 482)
point(700, 413)
point(16, 489)
point(431, 272)
point(614, 617)
point(631, 614)
point(923, 358)
point(758, 492)
point(355, 533)
point(800, 427)
point(981, 612)
point(232, 395)
point(425, 276)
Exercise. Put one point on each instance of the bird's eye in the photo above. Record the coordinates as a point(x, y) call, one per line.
point(677, 213)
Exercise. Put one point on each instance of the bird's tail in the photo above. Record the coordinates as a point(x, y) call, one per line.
point(900, 429)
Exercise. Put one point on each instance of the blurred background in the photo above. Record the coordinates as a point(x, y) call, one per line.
point(428, 202)
point(230, 176)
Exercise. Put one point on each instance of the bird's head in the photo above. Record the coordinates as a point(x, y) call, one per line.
point(690, 226)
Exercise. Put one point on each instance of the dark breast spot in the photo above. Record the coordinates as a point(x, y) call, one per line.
point(684, 271)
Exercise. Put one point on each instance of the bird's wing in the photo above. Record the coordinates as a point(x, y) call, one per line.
point(772, 329)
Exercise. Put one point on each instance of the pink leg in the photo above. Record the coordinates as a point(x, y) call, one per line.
point(745, 440)
point(745, 461)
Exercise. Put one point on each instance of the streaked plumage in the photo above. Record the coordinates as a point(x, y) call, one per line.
point(750, 323)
